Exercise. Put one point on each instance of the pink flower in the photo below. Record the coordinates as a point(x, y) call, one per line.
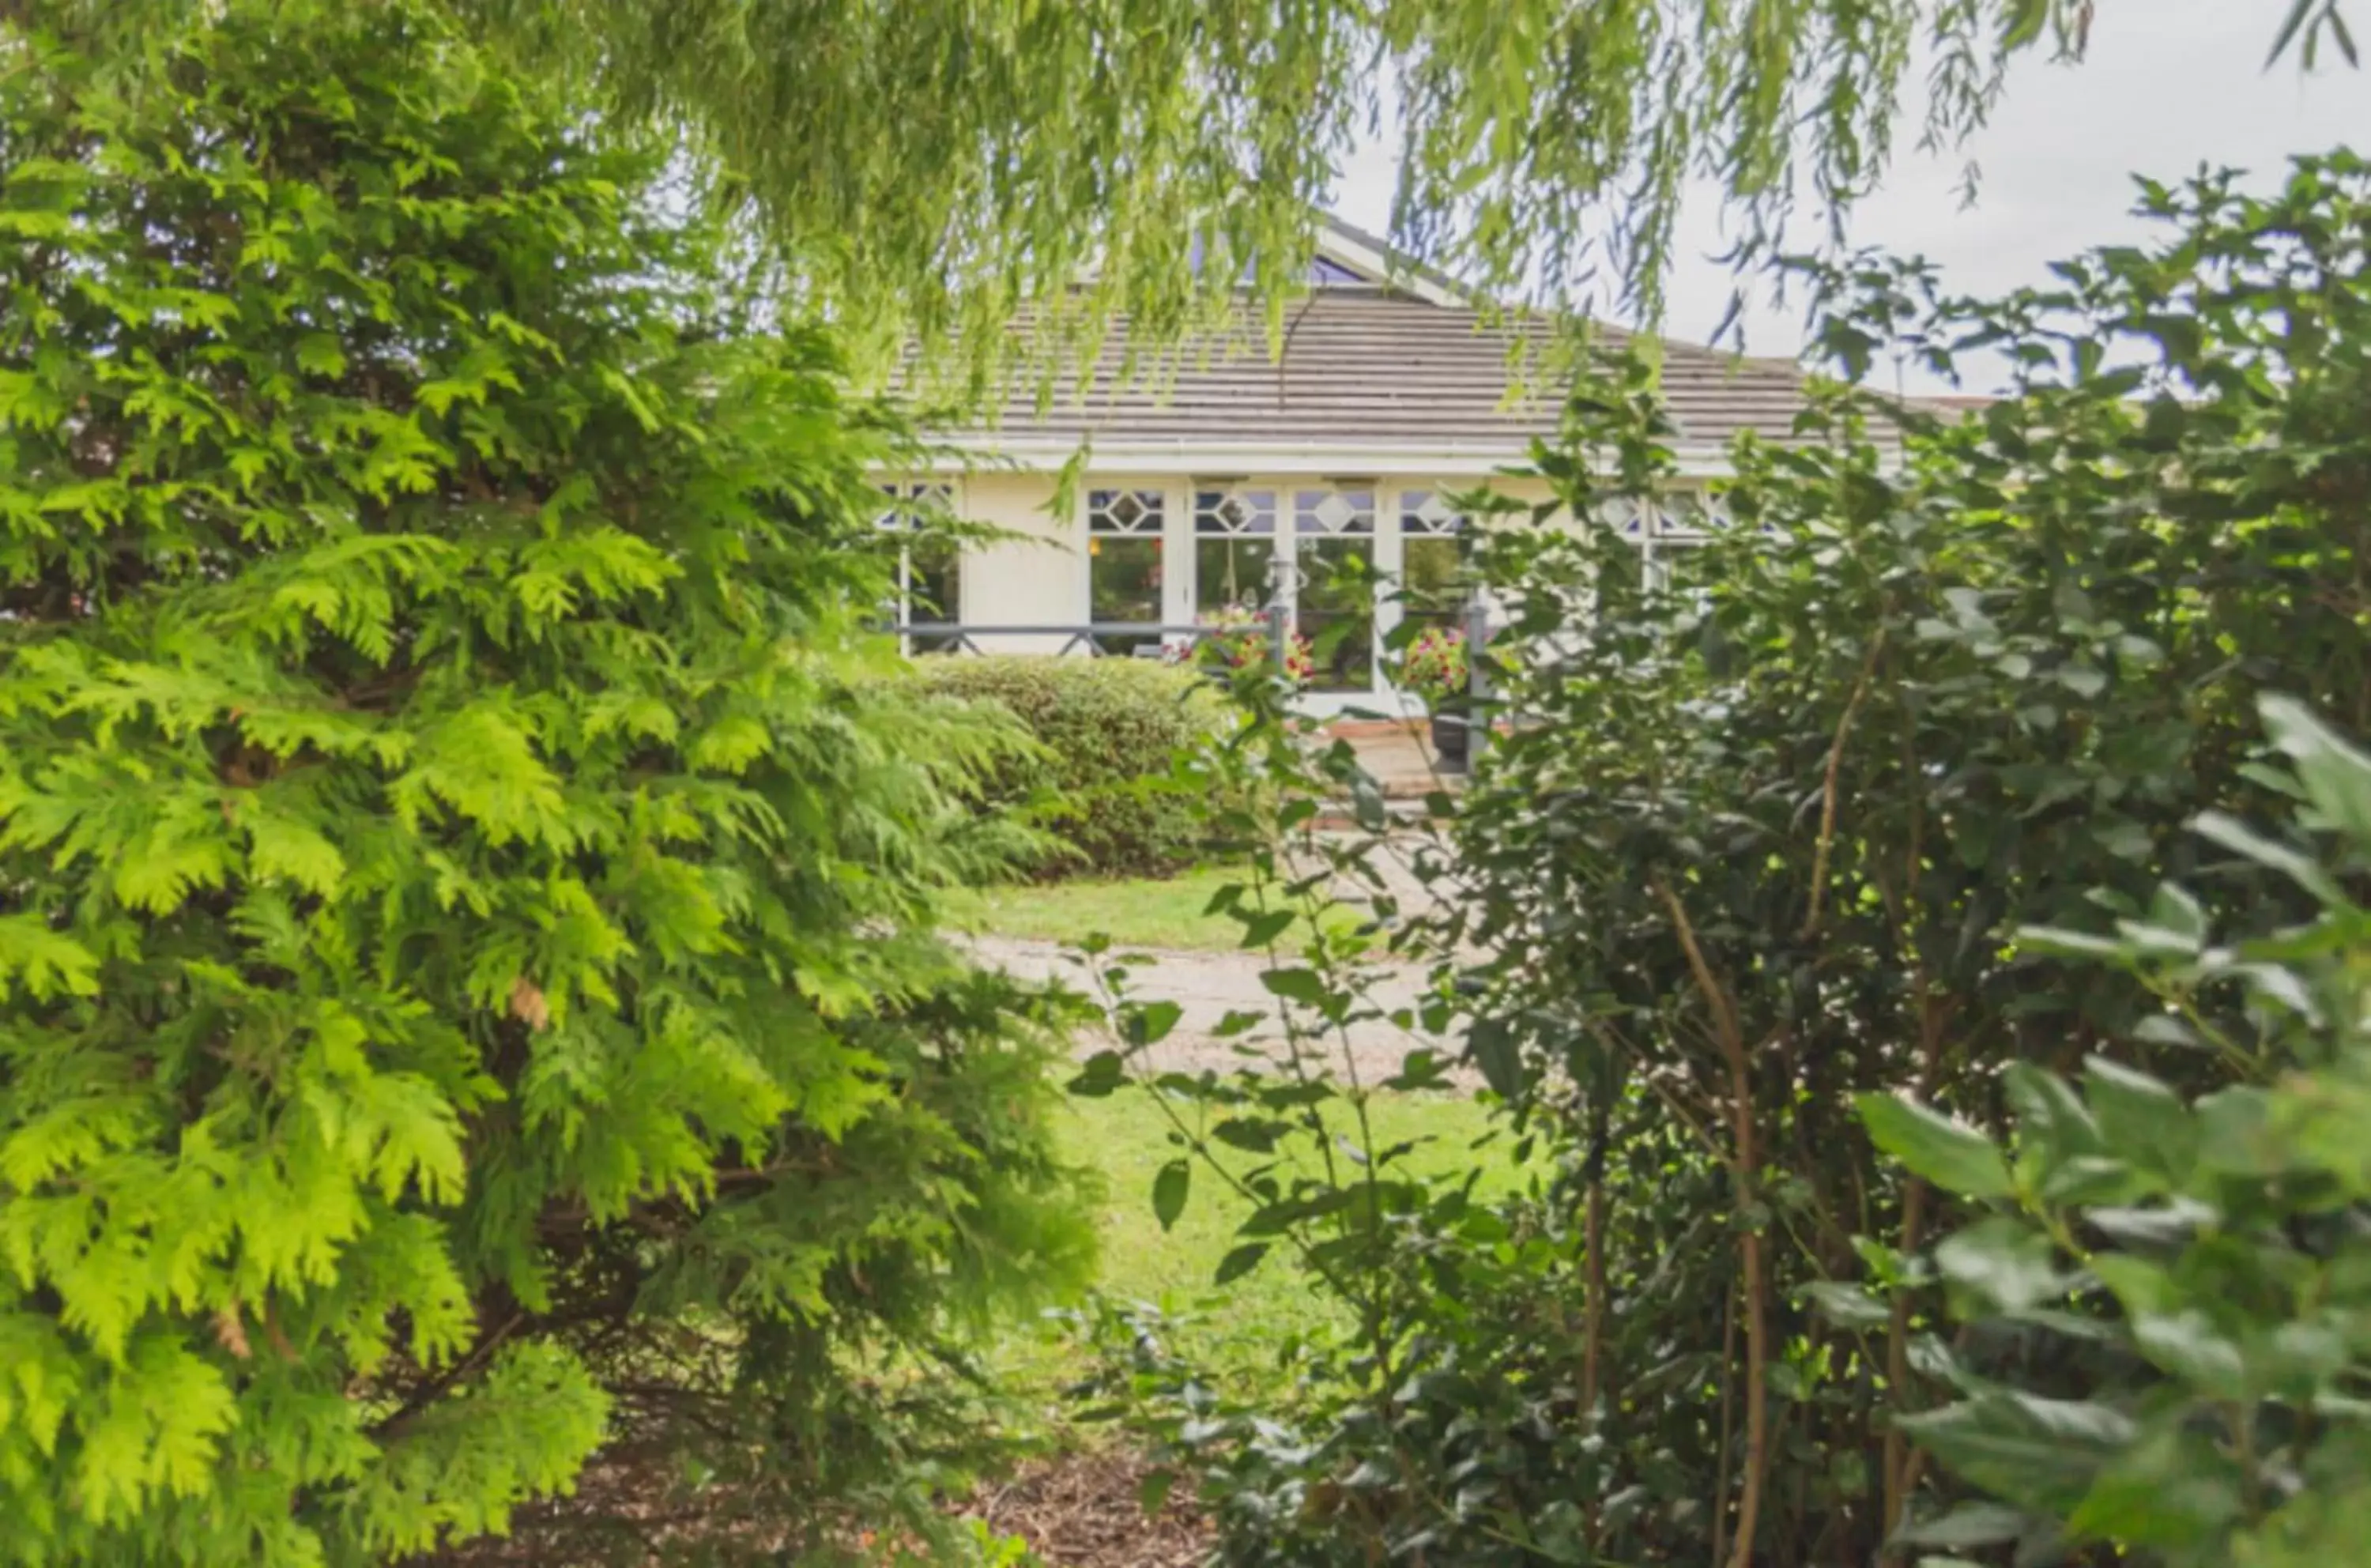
point(1435, 662)
point(1242, 638)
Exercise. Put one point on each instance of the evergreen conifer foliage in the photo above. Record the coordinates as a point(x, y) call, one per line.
point(466, 983)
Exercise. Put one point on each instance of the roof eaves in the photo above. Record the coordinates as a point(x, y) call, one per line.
point(1371, 254)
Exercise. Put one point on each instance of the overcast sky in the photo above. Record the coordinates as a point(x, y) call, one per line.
point(2169, 85)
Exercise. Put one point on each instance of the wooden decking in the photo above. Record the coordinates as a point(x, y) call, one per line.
point(1400, 756)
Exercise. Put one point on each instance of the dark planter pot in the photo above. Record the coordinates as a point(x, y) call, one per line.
point(1451, 740)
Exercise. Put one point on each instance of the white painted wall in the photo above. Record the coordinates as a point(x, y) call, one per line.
point(1035, 579)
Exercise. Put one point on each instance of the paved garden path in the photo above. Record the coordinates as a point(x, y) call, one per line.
point(1209, 985)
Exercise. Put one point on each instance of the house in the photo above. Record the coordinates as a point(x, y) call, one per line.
point(1392, 393)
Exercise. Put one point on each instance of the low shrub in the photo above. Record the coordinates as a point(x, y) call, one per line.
point(1107, 734)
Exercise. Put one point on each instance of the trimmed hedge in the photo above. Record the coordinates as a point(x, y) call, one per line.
point(1107, 732)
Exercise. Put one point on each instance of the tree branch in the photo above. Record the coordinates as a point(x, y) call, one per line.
point(1744, 1165)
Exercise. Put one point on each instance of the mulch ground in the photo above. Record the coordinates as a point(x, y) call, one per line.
point(1081, 1511)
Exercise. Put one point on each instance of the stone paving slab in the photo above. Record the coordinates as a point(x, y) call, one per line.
point(1207, 986)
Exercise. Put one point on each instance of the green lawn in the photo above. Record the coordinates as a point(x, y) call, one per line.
point(1239, 1328)
point(1147, 912)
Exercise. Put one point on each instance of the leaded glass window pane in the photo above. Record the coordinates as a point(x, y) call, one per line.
point(1125, 511)
point(1334, 534)
point(1125, 563)
point(1234, 550)
point(1231, 572)
point(1234, 511)
point(1431, 560)
point(1686, 514)
point(1334, 512)
point(928, 573)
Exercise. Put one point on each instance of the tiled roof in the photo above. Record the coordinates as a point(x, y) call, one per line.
point(1365, 366)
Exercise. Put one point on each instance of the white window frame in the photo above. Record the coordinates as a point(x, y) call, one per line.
point(1447, 524)
point(1379, 694)
point(1658, 529)
point(1292, 513)
point(1279, 537)
point(906, 501)
point(1687, 519)
point(1166, 494)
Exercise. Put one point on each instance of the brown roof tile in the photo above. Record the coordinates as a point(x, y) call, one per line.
point(1367, 366)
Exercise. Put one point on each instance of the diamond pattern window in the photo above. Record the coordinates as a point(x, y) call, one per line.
point(1432, 558)
point(1124, 564)
point(1333, 531)
point(928, 571)
point(1234, 548)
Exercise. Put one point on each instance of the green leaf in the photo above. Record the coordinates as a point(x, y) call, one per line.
point(2054, 941)
point(2023, 22)
point(2237, 1137)
point(1278, 1219)
point(2143, 1122)
point(2167, 1028)
point(42, 962)
point(2189, 1346)
point(2300, 11)
point(1255, 1137)
point(1239, 1261)
point(1845, 1303)
point(2050, 1115)
point(2040, 1454)
point(1970, 1524)
point(2168, 1491)
point(1265, 927)
point(2004, 1262)
point(2089, 1178)
point(1153, 1491)
point(1492, 1047)
point(1297, 984)
point(279, 848)
point(1147, 1023)
point(2337, 778)
point(1954, 1157)
point(2221, 829)
point(2174, 910)
point(319, 353)
point(160, 870)
point(1103, 1072)
point(2140, 1286)
point(159, 1436)
point(1170, 1186)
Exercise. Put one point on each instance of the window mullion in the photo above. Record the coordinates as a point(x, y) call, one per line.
point(1177, 587)
point(1391, 566)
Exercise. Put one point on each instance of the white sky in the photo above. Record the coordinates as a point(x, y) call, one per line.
point(2169, 85)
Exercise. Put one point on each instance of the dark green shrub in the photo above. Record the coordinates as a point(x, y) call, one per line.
point(1754, 850)
point(1107, 735)
point(468, 991)
point(1759, 845)
point(2207, 1262)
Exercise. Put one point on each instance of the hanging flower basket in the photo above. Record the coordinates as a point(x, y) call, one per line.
point(1241, 637)
point(1435, 668)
